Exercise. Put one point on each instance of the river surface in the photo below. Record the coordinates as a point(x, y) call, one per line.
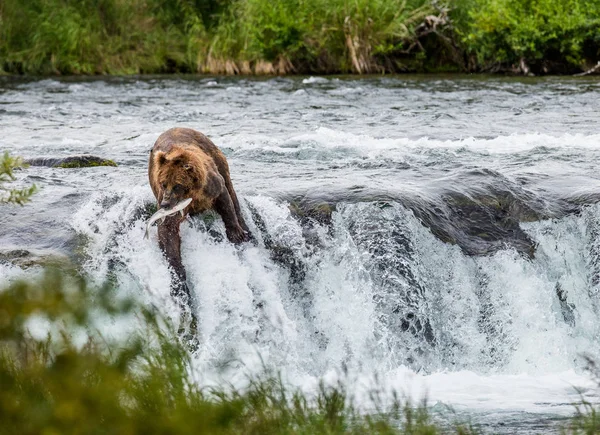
point(436, 235)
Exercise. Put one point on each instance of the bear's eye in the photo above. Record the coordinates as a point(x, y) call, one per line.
point(179, 189)
point(164, 185)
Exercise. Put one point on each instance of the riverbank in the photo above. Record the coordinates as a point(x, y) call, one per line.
point(298, 36)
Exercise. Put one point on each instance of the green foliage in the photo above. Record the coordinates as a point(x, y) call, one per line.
point(68, 378)
point(85, 164)
point(336, 35)
point(506, 31)
point(188, 13)
point(272, 28)
point(138, 36)
point(283, 36)
point(93, 37)
point(16, 196)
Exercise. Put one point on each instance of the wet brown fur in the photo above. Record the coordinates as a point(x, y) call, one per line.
point(185, 157)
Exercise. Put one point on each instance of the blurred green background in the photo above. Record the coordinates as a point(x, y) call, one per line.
point(49, 37)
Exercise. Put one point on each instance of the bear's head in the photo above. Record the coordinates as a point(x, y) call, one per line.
point(180, 175)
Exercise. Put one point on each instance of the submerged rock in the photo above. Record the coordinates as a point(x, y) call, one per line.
point(319, 211)
point(481, 224)
point(481, 211)
point(25, 258)
point(71, 162)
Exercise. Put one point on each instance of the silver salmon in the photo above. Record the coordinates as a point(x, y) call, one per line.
point(164, 212)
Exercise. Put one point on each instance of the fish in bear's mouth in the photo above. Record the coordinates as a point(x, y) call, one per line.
point(164, 212)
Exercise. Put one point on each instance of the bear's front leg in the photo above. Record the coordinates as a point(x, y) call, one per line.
point(169, 242)
point(224, 206)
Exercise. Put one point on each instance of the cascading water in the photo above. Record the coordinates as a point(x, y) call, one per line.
point(465, 269)
point(374, 287)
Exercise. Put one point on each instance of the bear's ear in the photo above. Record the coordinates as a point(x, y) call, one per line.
point(161, 158)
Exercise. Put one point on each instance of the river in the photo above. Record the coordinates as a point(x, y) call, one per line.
point(436, 234)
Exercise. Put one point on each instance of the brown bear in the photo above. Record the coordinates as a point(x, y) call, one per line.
point(183, 164)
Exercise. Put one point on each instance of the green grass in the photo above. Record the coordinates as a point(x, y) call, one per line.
point(236, 36)
point(587, 416)
point(74, 380)
point(66, 377)
point(586, 420)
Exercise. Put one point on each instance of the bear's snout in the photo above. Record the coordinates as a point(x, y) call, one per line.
point(166, 204)
point(168, 200)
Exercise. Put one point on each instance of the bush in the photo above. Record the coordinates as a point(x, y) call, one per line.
point(139, 36)
point(309, 35)
point(544, 35)
point(301, 36)
point(96, 37)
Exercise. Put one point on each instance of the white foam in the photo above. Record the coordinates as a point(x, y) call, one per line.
point(553, 393)
point(388, 147)
point(9, 273)
point(312, 80)
point(347, 91)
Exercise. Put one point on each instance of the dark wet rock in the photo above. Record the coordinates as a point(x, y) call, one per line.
point(25, 258)
point(482, 213)
point(567, 308)
point(575, 203)
point(71, 162)
point(480, 210)
point(480, 225)
point(283, 255)
point(312, 216)
point(145, 212)
point(306, 210)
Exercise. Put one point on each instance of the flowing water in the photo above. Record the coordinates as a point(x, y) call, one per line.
point(434, 235)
